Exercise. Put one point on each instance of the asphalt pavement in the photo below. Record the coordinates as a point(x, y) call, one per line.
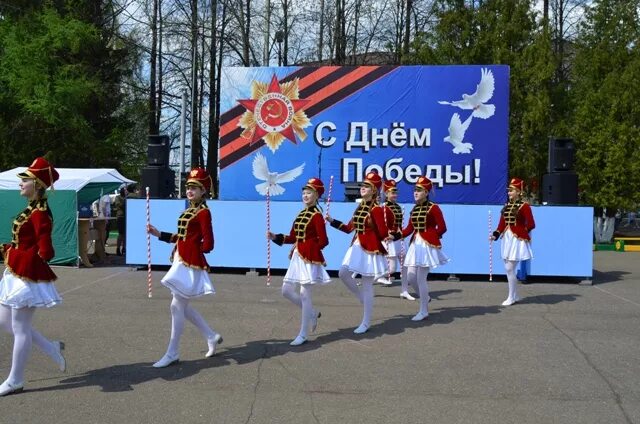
point(568, 353)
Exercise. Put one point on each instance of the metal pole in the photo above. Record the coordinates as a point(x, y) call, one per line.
point(183, 132)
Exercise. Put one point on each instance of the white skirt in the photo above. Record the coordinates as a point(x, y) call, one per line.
point(187, 282)
point(421, 254)
point(301, 272)
point(515, 249)
point(17, 293)
point(363, 263)
point(393, 248)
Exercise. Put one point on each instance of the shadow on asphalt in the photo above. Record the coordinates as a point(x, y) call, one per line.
point(124, 377)
point(600, 277)
point(549, 299)
point(435, 294)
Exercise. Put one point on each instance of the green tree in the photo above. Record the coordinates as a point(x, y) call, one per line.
point(501, 32)
point(60, 85)
point(605, 96)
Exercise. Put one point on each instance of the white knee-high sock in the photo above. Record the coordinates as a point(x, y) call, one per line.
point(21, 320)
point(367, 300)
point(412, 277)
point(307, 309)
point(510, 267)
point(347, 278)
point(289, 291)
point(423, 289)
point(393, 263)
point(199, 322)
point(38, 339)
point(404, 280)
point(5, 319)
point(178, 307)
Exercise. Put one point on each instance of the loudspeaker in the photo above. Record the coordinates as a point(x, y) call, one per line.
point(160, 180)
point(158, 150)
point(351, 191)
point(562, 152)
point(560, 188)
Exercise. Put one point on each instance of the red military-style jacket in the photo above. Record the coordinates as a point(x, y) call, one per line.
point(427, 220)
point(194, 237)
point(397, 215)
point(517, 217)
point(31, 247)
point(309, 235)
point(368, 222)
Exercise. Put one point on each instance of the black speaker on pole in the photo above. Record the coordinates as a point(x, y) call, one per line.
point(560, 188)
point(158, 150)
point(562, 155)
point(160, 180)
point(351, 191)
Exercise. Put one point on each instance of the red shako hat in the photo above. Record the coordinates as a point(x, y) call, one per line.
point(390, 185)
point(316, 185)
point(516, 183)
point(373, 179)
point(41, 171)
point(201, 178)
point(424, 183)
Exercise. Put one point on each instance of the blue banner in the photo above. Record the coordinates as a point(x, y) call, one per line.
point(281, 126)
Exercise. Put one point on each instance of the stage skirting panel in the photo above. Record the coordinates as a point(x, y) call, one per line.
point(562, 240)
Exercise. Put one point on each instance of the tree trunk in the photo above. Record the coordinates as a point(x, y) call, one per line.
point(407, 28)
point(267, 33)
point(356, 19)
point(285, 12)
point(321, 31)
point(245, 36)
point(160, 68)
point(339, 34)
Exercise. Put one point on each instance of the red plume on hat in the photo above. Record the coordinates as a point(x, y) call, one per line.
point(201, 178)
point(516, 183)
point(424, 183)
point(41, 171)
point(390, 185)
point(373, 179)
point(316, 185)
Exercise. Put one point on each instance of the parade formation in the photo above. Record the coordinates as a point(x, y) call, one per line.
point(377, 250)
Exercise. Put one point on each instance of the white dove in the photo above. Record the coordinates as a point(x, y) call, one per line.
point(477, 100)
point(457, 129)
point(271, 179)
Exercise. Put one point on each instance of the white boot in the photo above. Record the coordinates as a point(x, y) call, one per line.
point(166, 360)
point(213, 344)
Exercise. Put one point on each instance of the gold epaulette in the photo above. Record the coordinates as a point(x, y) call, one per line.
point(302, 221)
point(360, 216)
point(510, 212)
point(419, 215)
point(187, 216)
point(19, 221)
point(397, 212)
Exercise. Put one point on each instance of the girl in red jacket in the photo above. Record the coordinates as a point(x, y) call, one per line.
point(309, 236)
point(27, 282)
point(366, 255)
point(516, 221)
point(426, 227)
point(188, 276)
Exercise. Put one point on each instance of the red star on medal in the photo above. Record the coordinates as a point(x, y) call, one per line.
point(273, 112)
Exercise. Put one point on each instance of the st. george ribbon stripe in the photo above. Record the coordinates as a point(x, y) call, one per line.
point(322, 82)
point(340, 94)
point(238, 110)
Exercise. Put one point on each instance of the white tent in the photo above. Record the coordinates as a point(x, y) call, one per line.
point(70, 178)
